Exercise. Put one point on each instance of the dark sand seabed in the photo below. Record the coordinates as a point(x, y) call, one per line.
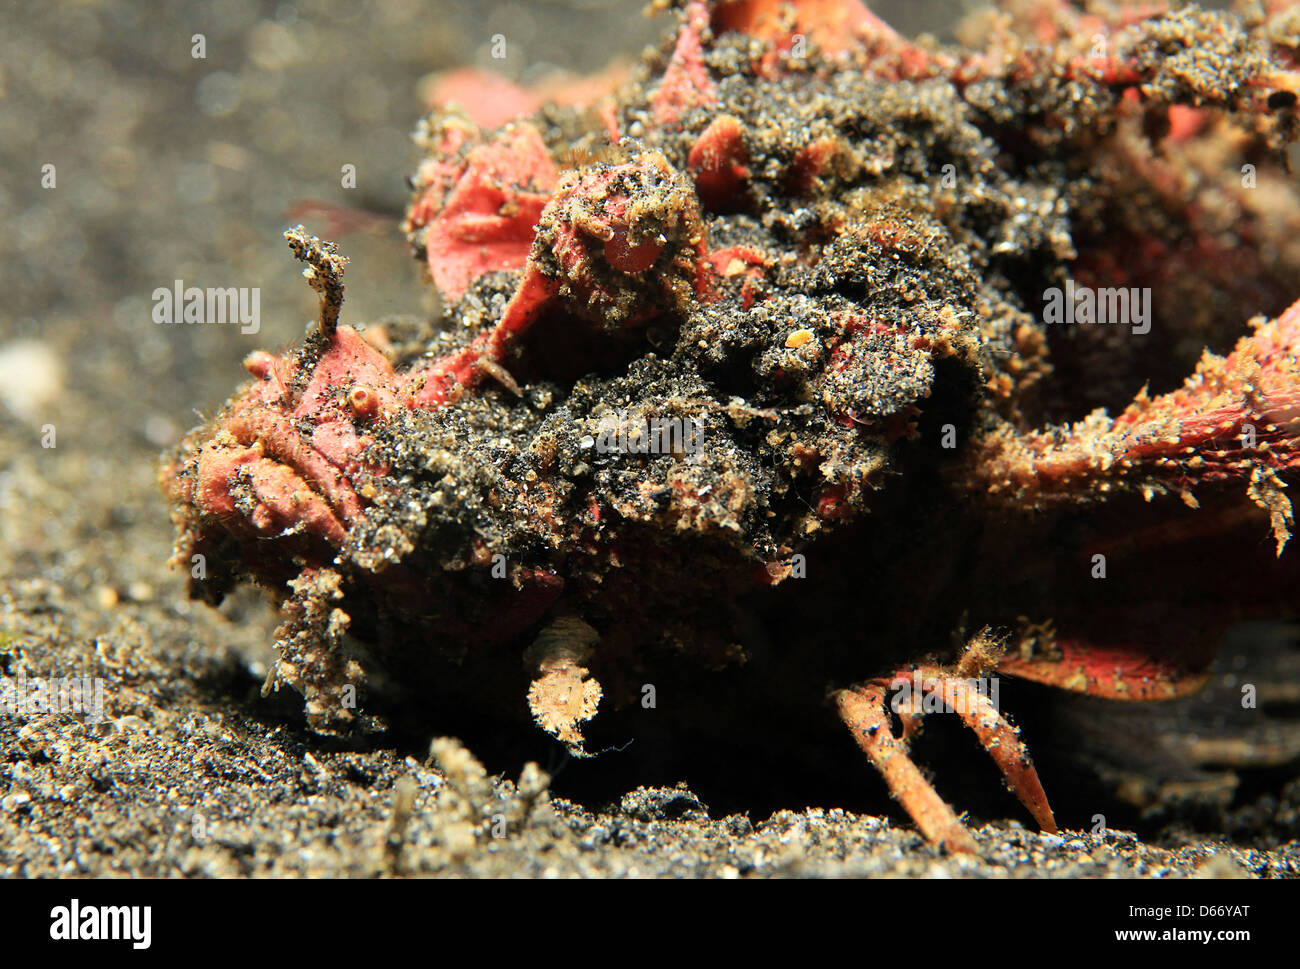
point(174, 168)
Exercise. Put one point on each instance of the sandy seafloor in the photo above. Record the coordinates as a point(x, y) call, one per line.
point(170, 167)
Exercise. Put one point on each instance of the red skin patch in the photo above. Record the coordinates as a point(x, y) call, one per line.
point(487, 222)
point(835, 26)
point(687, 82)
point(262, 475)
point(719, 161)
point(1112, 672)
point(627, 257)
point(490, 100)
point(810, 164)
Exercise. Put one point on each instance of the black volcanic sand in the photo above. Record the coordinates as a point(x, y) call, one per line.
point(168, 167)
